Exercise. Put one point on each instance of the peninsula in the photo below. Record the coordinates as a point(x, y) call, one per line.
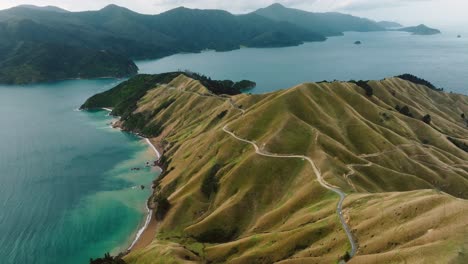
point(320, 172)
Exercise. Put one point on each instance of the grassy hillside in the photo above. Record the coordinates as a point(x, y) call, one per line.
point(218, 201)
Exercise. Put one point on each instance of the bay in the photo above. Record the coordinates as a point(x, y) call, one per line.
point(441, 59)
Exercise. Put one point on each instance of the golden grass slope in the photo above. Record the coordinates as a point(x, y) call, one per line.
point(266, 210)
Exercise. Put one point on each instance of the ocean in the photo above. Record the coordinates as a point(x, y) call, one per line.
point(67, 191)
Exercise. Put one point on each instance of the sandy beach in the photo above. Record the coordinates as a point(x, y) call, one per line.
point(147, 233)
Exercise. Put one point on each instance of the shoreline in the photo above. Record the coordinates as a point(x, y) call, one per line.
point(144, 235)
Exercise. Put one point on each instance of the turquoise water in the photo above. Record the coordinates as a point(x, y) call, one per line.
point(65, 181)
point(441, 59)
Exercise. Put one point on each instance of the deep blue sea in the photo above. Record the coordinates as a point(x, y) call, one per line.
point(66, 189)
point(441, 59)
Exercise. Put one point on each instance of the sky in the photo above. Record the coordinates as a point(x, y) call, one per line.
point(408, 12)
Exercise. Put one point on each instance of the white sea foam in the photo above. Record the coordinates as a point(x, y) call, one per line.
point(150, 212)
point(140, 232)
point(153, 147)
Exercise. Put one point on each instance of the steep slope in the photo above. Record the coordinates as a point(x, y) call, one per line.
point(220, 201)
point(328, 24)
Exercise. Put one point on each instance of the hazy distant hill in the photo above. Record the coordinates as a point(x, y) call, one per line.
point(389, 24)
point(45, 8)
point(420, 30)
point(328, 24)
point(119, 32)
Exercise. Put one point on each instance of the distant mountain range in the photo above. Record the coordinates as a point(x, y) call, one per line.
point(327, 24)
point(49, 43)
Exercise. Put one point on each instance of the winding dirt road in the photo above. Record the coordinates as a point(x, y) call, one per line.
point(341, 194)
point(339, 207)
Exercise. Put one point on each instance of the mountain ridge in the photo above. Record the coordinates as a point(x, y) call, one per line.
point(229, 204)
point(327, 24)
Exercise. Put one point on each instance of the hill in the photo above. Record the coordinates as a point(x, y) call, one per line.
point(29, 35)
point(420, 30)
point(328, 24)
point(222, 200)
point(389, 24)
point(45, 8)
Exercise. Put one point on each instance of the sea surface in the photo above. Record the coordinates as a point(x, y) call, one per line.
point(67, 192)
point(442, 59)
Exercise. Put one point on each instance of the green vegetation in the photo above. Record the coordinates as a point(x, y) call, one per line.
point(29, 62)
point(222, 87)
point(123, 98)
point(404, 110)
point(427, 119)
point(460, 144)
point(417, 80)
point(364, 85)
point(210, 182)
point(162, 207)
point(108, 259)
point(216, 235)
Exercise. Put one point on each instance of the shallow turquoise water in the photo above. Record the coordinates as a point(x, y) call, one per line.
point(65, 181)
point(441, 59)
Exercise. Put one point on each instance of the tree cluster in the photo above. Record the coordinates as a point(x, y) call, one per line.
point(107, 259)
point(222, 87)
point(404, 110)
point(210, 182)
point(417, 80)
point(364, 85)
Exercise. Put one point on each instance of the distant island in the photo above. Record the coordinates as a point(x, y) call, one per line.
point(39, 44)
point(420, 30)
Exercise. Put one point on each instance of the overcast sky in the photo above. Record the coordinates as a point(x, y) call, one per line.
point(432, 12)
